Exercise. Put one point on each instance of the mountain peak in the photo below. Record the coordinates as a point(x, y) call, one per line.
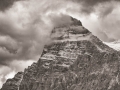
point(76, 22)
point(74, 30)
point(76, 60)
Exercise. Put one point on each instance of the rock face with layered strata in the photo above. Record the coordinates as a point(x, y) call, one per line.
point(75, 60)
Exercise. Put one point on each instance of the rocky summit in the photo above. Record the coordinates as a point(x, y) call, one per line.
point(75, 60)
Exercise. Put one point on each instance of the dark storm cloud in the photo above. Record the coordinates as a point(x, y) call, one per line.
point(5, 4)
point(92, 2)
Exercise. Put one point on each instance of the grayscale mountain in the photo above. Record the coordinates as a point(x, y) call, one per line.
point(75, 60)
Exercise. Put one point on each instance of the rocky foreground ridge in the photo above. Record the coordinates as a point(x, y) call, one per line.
point(75, 60)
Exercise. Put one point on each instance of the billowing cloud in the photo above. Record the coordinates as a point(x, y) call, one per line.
point(25, 26)
point(106, 26)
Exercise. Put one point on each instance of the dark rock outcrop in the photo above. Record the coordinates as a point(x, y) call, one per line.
point(76, 60)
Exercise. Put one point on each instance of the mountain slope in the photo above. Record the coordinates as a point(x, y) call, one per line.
point(75, 60)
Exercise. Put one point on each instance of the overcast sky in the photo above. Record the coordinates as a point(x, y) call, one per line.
point(25, 26)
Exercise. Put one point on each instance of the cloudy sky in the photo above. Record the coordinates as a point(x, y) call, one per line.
point(25, 26)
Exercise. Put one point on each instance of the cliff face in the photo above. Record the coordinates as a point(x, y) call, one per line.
point(75, 60)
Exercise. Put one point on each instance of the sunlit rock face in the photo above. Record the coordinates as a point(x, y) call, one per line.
point(75, 60)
